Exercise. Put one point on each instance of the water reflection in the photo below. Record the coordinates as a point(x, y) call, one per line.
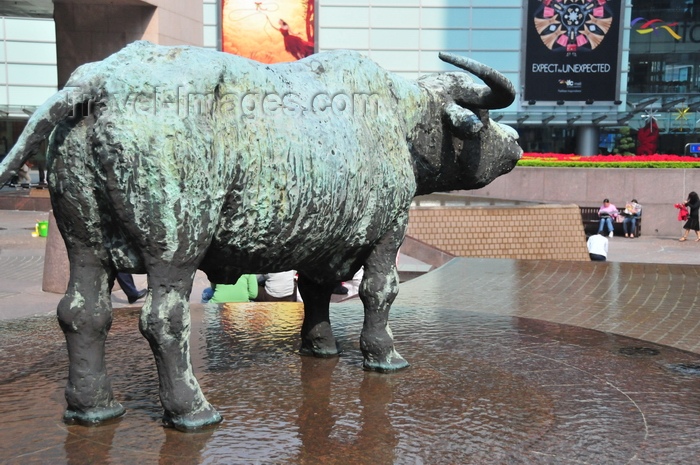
point(322, 424)
point(101, 439)
point(238, 335)
point(254, 348)
point(481, 389)
point(178, 445)
point(315, 418)
point(377, 437)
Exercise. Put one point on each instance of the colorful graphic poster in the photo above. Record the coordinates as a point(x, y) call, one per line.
point(572, 50)
point(268, 31)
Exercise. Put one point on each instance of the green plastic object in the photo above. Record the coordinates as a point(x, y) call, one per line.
point(43, 227)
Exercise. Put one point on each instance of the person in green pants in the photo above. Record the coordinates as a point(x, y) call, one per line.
point(245, 290)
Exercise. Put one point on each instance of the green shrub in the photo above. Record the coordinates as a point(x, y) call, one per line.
point(631, 164)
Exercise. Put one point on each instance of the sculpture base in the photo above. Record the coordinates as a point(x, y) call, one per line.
point(480, 389)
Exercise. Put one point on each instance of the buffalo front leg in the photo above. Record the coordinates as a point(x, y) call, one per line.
point(379, 287)
point(85, 316)
point(316, 335)
point(165, 323)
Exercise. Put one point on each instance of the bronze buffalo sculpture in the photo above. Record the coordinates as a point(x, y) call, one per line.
point(166, 160)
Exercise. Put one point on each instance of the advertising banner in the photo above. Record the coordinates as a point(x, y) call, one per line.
point(572, 50)
point(269, 32)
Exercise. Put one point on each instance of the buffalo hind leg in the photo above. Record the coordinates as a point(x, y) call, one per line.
point(379, 287)
point(316, 335)
point(85, 316)
point(165, 323)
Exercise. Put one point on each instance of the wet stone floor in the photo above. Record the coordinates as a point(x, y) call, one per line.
point(481, 389)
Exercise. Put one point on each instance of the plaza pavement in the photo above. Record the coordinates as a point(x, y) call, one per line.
point(648, 289)
point(503, 364)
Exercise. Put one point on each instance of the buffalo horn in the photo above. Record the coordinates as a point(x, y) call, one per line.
point(498, 92)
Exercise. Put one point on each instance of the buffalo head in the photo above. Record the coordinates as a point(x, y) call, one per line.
point(457, 145)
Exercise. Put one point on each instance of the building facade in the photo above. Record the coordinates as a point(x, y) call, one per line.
point(656, 66)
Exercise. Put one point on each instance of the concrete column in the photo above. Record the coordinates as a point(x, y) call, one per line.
point(56, 265)
point(587, 139)
point(91, 30)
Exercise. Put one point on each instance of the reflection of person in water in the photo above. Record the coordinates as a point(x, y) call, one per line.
point(295, 45)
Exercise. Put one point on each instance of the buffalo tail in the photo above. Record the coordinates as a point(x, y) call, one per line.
point(39, 127)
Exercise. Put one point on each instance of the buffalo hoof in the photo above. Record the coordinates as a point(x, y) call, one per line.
point(95, 416)
point(320, 352)
point(204, 419)
point(319, 342)
point(390, 363)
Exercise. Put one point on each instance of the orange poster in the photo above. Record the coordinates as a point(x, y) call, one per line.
point(268, 31)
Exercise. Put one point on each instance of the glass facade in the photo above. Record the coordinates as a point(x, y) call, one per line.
point(664, 70)
point(665, 48)
point(662, 84)
point(660, 62)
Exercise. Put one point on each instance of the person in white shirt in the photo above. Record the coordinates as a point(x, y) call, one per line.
point(277, 287)
point(598, 247)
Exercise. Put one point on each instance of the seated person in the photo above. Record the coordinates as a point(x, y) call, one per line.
point(277, 287)
point(632, 211)
point(598, 247)
point(607, 213)
point(245, 290)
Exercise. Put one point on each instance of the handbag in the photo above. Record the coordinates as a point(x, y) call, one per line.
point(682, 212)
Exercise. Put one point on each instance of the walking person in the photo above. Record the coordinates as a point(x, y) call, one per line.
point(693, 204)
point(126, 282)
point(39, 162)
point(23, 177)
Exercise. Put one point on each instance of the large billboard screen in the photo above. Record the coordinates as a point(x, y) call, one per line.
point(269, 32)
point(572, 50)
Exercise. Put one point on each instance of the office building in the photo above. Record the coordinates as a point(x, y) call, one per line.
point(582, 69)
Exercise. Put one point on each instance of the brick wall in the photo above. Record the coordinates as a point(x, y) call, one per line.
point(548, 232)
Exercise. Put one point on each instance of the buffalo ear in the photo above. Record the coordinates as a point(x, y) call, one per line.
point(463, 123)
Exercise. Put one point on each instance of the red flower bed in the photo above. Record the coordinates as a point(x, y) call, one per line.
point(606, 158)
